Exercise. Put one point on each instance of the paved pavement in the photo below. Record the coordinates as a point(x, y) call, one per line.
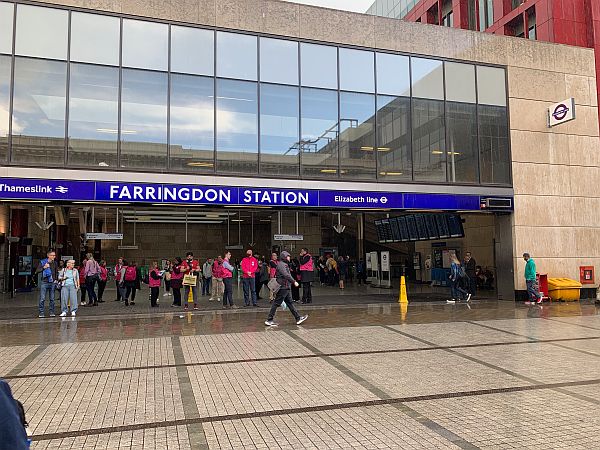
point(490, 376)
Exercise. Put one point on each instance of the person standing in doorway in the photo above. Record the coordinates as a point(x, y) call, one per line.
point(227, 272)
point(207, 277)
point(102, 280)
point(533, 293)
point(176, 281)
point(470, 266)
point(92, 276)
point(69, 278)
point(361, 272)
point(307, 273)
point(49, 270)
point(154, 281)
point(118, 268)
point(191, 266)
point(285, 281)
point(249, 267)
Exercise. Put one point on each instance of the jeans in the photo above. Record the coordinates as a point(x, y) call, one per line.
point(249, 285)
point(306, 292)
point(154, 291)
point(50, 288)
point(119, 294)
point(457, 291)
point(228, 294)
point(283, 295)
point(186, 294)
point(68, 295)
point(90, 284)
point(206, 283)
point(101, 287)
point(532, 290)
point(176, 296)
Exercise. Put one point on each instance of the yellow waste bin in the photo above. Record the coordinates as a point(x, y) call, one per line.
point(563, 289)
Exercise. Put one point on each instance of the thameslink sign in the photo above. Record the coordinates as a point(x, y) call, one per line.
point(116, 192)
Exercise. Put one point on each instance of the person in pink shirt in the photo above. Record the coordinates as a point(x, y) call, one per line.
point(249, 269)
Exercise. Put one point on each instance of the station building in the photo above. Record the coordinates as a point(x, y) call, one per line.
point(210, 124)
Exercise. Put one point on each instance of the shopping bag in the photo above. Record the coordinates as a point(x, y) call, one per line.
point(190, 280)
point(273, 285)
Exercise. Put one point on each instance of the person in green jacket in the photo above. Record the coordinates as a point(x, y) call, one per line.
point(533, 292)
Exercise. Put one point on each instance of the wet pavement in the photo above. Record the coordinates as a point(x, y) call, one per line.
point(374, 374)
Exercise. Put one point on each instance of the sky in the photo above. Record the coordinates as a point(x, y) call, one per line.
point(348, 5)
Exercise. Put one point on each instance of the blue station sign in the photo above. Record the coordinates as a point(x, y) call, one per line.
point(103, 191)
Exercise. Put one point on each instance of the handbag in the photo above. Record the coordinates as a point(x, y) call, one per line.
point(190, 280)
point(273, 285)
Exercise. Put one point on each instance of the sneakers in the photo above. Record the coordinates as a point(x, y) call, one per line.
point(301, 319)
point(211, 299)
point(63, 314)
point(73, 314)
point(83, 303)
point(528, 303)
point(42, 316)
point(52, 314)
point(468, 298)
point(540, 300)
point(451, 301)
point(166, 294)
point(270, 323)
point(195, 308)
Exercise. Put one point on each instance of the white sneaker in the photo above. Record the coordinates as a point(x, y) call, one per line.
point(451, 301)
point(73, 313)
point(63, 314)
point(211, 299)
point(468, 298)
point(83, 303)
point(301, 319)
point(270, 323)
point(166, 294)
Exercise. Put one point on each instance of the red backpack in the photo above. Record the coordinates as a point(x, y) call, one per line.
point(130, 273)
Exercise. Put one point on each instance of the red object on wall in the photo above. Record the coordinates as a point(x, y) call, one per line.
point(543, 284)
point(586, 274)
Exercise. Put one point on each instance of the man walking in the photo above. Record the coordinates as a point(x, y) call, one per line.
point(533, 294)
point(470, 265)
point(307, 273)
point(207, 276)
point(118, 268)
point(285, 280)
point(49, 270)
point(249, 269)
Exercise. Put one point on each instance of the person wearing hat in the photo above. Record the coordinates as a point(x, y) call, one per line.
point(285, 280)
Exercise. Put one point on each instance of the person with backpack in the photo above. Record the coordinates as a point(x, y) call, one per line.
point(307, 273)
point(284, 281)
point(129, 282)
point(154, 281)
point(92, 276)
point(13, 426)
point(103, 274)
point(457, 280)
point(117, 270)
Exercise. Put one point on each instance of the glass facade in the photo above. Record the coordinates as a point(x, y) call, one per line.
point(137, 95)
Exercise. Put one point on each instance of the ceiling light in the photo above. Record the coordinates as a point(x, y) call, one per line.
point(437, 152)
point(237, 220)
point(200, 164)
point(391, 174)
point(367, 149)
point(383, 149)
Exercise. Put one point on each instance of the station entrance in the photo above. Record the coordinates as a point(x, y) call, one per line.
point(146, 233)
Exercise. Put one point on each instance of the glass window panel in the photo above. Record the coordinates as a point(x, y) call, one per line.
point(5, 63)
point(42, 32)
point(6, 27)
point(93, 116)
point(192, 50)
point(318, 65)
point(279, 129)
point(429, 140)
point(357, 70)
point(494, 145)
point(357, 135)
point(460, 82)
point(393, 74)
point(491, 86)
point(278, 61)
point(236, 56)
point(38, 122)
point(463, 160)
point(95, 38)
point(145, 44)
point(393, 138)
point(319, 125)
point(427, 78)
point(144, 119)
point(237, 126)
point(192, 123)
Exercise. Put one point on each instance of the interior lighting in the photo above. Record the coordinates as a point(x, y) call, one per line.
point(200, 164)
point(391, 174)
point(437, 152)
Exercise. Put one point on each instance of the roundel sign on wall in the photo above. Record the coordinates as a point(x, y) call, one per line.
point(561, 112)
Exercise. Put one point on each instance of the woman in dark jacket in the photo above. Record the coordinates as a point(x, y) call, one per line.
point(295, 271)
point(177, 281)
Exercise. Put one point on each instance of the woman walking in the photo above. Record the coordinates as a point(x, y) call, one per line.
point(69, 278)
point(177, 281)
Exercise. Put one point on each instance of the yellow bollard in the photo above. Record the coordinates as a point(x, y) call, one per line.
point(403, 298)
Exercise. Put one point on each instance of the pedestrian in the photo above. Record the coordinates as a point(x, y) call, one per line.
point(118, 268)
point(207, 277)
point(342, 267)
point(457, 279)
point(131, 282)
point(167, 272)
point(92, 276)
point(263, 277)
point(102, 280)
point(257, 284)
point(470, 266)
point(249, 268)
point(177, 281)
point(83, 290)
point(349, 270)
point(533, 293)
point(322, 270)
point(361, 272)
point(295, 271)
point(272, 270)
point(227, 271)
point(13, 432)
point(217, 287)
point(49, 270)
point(332, 271)
point(285, 281)
point(190, 266)
point(69, 279)
point(307, 274)
point(154, 281)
